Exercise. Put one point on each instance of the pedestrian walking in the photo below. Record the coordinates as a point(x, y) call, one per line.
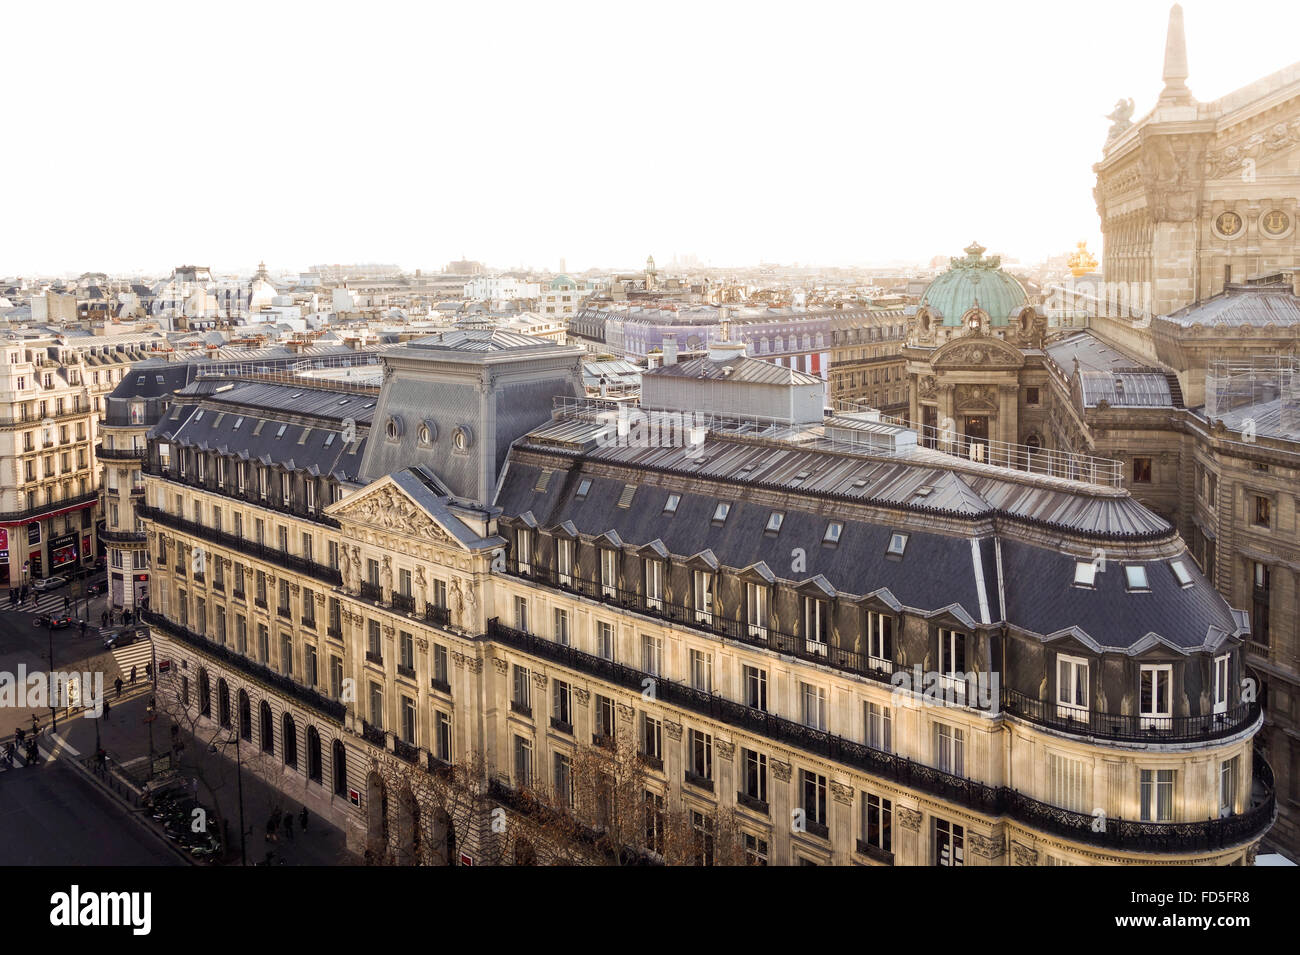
point(83, 628)
point(270, 832)
point(107, 709)
point(126, 617)
point(288, 825)
point(67, 602)
point(133, 674)
point(19, 734)
point(103, 619)
point(118, 685)
point(302, 818)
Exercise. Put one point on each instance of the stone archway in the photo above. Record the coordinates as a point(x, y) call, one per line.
point(407, 835)
point(377, 819)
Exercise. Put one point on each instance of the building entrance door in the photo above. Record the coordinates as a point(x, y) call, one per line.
point(976, 433)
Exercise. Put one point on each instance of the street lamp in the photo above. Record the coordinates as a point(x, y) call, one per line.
point(239, 776)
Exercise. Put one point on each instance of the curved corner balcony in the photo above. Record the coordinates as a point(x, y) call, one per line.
point(1128, 728)
point(120, 454)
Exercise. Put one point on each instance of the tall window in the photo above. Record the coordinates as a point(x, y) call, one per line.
point(522, 696)
point(652, 654)
point(877, 822)
point(755, 779)
point(756, 688)
point(816, 625)
point(1156, 795)
point(949, 843)
point(1221, 683)
point(524, 550)
point(879, 727)
point(1071, 687)
point(408, 720)
point(950, 749)
point(564, 560)
point(564, 780)
point(701, 753)
point(561, 704)
point(812, 788)
point(654, 584)
point(880, 641)
point(561, 626)
point(1228, 774)
point(1154, 707)
point(813, 700)
point(608, 572)
point(703, 593)
point(652, 737)
point(604, 640)
point(1262, 580)
point(702, 670)
point(523, 763)
point(521, 612)
point(952, 661)
point(756, 615)
point(442, 724)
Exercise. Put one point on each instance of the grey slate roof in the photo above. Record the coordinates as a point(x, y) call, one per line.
point(1243, 305)
point(750, 370)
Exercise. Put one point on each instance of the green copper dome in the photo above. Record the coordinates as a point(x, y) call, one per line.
point(975, 281)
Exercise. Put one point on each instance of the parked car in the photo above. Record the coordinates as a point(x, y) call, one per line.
point(55, 621)
point(49, 583)
point(119, 637)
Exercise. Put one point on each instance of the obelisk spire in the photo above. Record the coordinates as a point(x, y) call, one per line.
point(1175, 73)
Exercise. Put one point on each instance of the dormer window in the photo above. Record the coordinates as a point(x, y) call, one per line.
point(608, 572)
point(1071, 687)
point(1181, 573)
point(1155, 695)
point(1135, 576)
point(816, 625)
point(704, 588)
point(524, 550)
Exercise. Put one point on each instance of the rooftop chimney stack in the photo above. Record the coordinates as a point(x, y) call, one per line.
point(670, 348)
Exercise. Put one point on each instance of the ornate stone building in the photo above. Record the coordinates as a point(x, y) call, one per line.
point(1193, 391)
point(738, 609)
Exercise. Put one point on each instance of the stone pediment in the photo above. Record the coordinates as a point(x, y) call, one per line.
point(385, 508)
point(977, 351)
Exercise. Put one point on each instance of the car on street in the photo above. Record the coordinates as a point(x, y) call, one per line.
point(55, 621)
point(119, 637)
point(98, 587)
point(46, 584)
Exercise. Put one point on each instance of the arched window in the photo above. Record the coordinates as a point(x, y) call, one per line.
point(313, 754)
point(205, 693)
point(223, 703)
point(268, 727)
point(290, 734)
point(339, 757)
point(245, 717)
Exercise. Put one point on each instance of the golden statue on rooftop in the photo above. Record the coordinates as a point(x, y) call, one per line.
point(1082, 261)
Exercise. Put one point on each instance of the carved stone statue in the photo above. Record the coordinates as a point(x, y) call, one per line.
point(457, 601)
point(1121, 118)
point(386, 574)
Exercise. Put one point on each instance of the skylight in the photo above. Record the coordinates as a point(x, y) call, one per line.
point(583, 487)
point(1136, 575)
point(721, 511)
point(280, 434)
point(670, 506)
point(1181, 572)
point(897, 544)
point(833, 531)
point(774, 521)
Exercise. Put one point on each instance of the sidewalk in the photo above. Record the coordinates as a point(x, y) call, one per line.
point(125, 736)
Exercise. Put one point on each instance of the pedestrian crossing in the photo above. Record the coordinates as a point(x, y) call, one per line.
point(138, 655)
point(20, 755)
point(53, 602)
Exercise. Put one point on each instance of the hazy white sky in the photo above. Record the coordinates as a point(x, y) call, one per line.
point(144, 135)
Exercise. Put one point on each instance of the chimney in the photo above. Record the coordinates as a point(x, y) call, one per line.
point(670, 348)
